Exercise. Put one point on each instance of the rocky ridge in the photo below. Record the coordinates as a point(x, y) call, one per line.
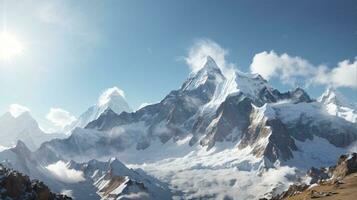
point(14, 185)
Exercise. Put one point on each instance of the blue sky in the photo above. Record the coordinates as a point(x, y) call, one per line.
point(74, 50)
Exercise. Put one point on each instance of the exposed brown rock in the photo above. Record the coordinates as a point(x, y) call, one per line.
point(16, 186)
point(345, 166)
point(342, 186)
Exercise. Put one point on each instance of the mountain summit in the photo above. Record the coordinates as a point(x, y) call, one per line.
point(332, 96)
point(337, 105)
point(113, 99)
point(209, 73)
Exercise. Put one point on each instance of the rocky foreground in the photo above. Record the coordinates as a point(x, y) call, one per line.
point(335, 182)
point(16, 186)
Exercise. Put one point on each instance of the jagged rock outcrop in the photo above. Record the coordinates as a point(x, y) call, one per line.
point(346, 165)
point(268, 135)
point(330, 177)
point(317, 175)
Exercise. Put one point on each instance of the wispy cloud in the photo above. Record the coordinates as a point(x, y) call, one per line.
point(55, 12)
point(202, 48)
point(68, 17)
point(109, 93)
point(60, 117)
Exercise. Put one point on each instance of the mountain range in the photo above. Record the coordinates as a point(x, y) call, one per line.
point(219, 136)
point(23, 127)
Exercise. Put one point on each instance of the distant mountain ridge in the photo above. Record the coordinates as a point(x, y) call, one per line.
point(23, 127)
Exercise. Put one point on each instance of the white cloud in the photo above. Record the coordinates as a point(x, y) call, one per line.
point(202, 48)
point(17, 110)
point(344, 75)
point(61, 171)
point(109, 93)
point(285, 67)
point(290, 69)
point(60, 117)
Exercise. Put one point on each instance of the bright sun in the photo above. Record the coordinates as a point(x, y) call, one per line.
point(10, 46)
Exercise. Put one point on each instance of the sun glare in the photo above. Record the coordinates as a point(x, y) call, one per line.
point(10, 46)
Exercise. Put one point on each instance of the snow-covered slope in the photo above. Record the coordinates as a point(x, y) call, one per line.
point(22, 127)
point(113, 98)
point(337, 105)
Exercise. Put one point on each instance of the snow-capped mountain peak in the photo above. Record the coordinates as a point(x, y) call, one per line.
point(210, 72)
point(112, 98)
point(331, 95)
point(210, 64)
point(116, 102)
point(115, 99)
point(337, 105)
